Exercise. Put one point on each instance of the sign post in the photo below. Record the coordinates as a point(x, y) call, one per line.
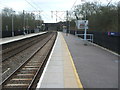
point(86, 27)
point(82, 24)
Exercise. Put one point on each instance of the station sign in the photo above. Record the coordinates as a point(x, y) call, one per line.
point(113, 33)
point(82, 24)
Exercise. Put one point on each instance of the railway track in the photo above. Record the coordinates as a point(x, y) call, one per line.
point(26, 75)
point(10, 50)
point(10, 65)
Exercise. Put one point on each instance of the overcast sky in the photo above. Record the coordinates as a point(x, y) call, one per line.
point(45, 6)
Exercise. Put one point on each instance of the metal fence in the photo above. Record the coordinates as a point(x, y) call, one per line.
point(89, 37)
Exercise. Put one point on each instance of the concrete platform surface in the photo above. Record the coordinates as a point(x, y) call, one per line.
point(96, 67)
point(15, 38)
point(60, 71)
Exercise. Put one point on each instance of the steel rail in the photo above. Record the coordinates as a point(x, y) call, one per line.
point(29, 45)
point(11, 75)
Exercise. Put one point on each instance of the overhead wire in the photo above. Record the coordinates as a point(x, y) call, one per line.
point(45, 12)
point(73, 4)
point(31, 5)
point(44, 15)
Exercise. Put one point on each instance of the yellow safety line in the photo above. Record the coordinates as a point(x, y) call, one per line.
point(75, 72)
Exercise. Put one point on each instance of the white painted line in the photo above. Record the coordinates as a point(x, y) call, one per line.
point(6, 71)
point(41, 78)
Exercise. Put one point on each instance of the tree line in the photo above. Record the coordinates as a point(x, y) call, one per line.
point(101, 17)
point(21, 20)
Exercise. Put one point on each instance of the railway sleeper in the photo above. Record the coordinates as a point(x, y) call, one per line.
point(25, 75)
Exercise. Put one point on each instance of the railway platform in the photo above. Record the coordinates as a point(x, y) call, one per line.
point(60, 71)
point(72, 64)
point(16, 38)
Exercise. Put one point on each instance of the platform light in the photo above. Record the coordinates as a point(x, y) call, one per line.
point(12, 24)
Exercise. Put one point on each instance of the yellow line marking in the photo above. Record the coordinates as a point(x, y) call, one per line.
point(75, 72)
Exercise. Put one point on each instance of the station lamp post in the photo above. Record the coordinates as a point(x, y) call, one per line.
point(12, 24)
point(85, 32)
